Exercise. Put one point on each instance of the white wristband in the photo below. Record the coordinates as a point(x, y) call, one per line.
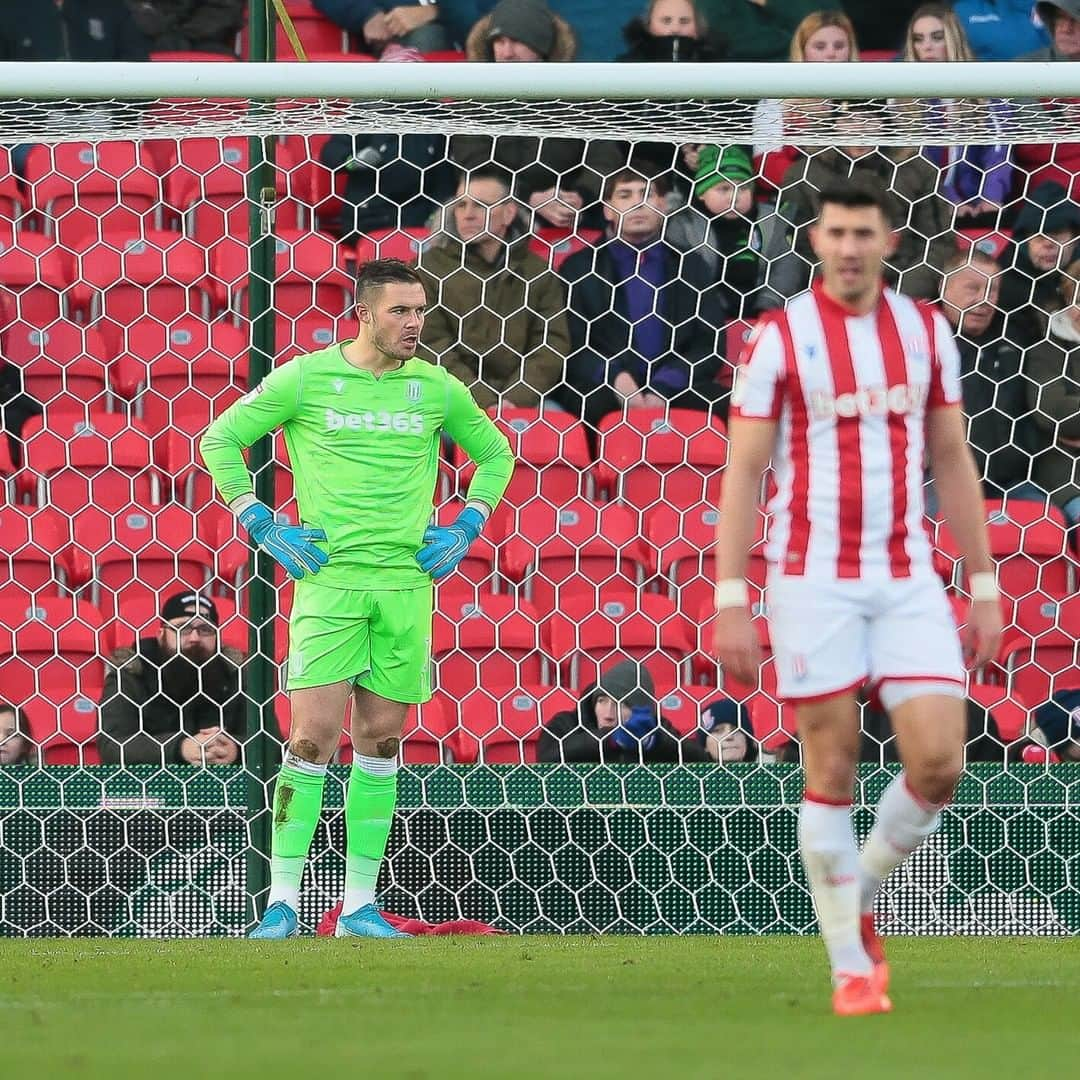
point(983, 586)
point(242, 502)
point(731, 593)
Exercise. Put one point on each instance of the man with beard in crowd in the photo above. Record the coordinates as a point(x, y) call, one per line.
point(174, 698)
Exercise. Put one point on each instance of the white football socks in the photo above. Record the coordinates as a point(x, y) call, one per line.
point(904, 821)
point(831, 858)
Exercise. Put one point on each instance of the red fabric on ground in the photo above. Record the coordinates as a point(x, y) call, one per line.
point(328, 924)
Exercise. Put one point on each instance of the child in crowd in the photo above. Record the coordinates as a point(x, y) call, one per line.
point(720, 224)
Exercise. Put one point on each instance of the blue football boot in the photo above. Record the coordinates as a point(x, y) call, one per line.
point(278, 922)
point(366, 922)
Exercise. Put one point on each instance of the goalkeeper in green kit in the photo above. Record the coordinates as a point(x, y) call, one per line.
point(362, 423)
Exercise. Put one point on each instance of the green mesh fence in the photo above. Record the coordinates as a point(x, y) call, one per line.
point(559, 849)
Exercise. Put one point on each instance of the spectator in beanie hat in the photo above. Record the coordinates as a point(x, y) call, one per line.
point(617, 722)
point(175, 698)
point(521, 31)
point(720, 224)
point(556, 178)
point(725, 732)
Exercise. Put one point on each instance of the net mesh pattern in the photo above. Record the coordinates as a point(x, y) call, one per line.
point(125, 325)
point(813, 122)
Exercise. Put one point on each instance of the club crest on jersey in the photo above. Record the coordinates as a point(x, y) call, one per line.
point(339, 385)
point(414, 391)
point(798, 667)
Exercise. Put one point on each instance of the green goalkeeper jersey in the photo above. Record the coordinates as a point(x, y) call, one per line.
point(364, 453)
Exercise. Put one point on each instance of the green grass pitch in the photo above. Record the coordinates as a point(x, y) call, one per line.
point(515, 1008)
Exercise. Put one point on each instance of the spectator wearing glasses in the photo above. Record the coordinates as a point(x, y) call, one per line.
point(174, 698)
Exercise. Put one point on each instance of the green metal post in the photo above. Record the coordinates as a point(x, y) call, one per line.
point(261, 758)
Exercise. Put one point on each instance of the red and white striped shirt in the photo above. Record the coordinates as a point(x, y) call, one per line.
point(851, 393)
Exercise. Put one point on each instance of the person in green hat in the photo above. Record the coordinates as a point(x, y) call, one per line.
point(720, 223)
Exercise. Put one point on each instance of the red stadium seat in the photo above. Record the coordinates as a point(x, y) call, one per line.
point(186, 391)
point(314, 30)
point(35, 276)
point(673, 456)
point(311, 280)
point(87, 191)
point(499, 725)
point(68, 735)
point(989, 241)
point(554, 549)
point(155, 549)
point(309, 334)
point(1010, 713)
point(1029, 543)
point(426, 735)
point(686, 541)
point(12, 202)
point(555, 246)
point(75, 459)
point(492, 641)
point(64, 361)
point(35, 558)
point(125, 278)
point(684, 705)
point(1038, 667)
point(551, 455)
point(404, 244)
point(50, 664)
point(206, 183)
point(596, 627)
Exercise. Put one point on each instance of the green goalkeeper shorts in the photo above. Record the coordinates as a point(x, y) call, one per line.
point(379, 639)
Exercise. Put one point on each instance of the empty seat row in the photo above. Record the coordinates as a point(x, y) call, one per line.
point(116, 282)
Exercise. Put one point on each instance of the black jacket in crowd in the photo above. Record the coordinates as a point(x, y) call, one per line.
point(80, 30)
point(15, 408)
point(142, 719)
point(574, 736)
point(644, 47)
point(190, 25)
point(392, 181)
point(1001, 431)
point(1028, 294)
point(601, 336)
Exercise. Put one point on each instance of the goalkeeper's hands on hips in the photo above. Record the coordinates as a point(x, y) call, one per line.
point(291, 546)
point(446, 545)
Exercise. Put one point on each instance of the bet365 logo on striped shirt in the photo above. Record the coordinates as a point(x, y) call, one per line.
point(400, 423)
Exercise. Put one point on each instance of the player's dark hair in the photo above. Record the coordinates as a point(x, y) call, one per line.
point(856, 192)
point(372, 276)
point(654, 181)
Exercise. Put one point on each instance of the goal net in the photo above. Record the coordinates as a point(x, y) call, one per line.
point(170, 231)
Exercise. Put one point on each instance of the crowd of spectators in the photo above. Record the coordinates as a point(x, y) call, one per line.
point(675, 244)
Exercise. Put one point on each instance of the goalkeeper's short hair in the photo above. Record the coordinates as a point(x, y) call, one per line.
point(372, 276)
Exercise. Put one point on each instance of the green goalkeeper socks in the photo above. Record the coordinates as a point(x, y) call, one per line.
point(297, 805)
point(369, 812)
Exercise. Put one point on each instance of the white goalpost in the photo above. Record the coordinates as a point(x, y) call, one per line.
point(127, 304)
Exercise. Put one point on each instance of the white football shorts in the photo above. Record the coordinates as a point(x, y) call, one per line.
point(829, 637)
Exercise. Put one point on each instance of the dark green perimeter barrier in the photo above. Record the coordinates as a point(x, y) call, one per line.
point(546, 849)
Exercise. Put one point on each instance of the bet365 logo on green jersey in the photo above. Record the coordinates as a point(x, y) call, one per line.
point(401, 423)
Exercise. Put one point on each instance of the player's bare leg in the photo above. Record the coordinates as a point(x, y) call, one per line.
point(318, 713)
point(829, 731)
point(369, 810)
point(929, 731)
